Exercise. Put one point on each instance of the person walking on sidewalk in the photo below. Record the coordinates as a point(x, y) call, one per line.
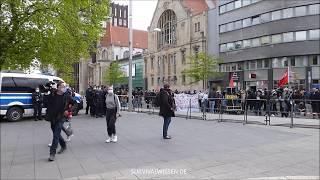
point(112, 110)
point(167, 108)
point(58, 104)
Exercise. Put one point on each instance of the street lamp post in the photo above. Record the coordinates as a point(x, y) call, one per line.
point(130, 57)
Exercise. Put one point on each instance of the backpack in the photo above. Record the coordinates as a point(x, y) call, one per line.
point(157, 100)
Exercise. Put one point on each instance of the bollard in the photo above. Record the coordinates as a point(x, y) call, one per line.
point(292, 106)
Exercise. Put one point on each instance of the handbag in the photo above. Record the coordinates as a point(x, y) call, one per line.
point(68, 128)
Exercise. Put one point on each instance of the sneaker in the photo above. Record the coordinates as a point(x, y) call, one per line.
point(62, 150)
point(114, 138)
point(272, 115)
point(49, 145)
point(108, 140)
point(167, 137)
point(52, 157)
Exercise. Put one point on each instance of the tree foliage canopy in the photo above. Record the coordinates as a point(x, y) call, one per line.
point(114, 74)
point(55, 32)
point(201, 67)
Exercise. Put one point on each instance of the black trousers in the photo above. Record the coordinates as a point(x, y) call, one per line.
point(111, 116)
point(37, 110)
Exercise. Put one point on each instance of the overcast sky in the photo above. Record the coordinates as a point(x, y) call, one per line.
point(142, 12)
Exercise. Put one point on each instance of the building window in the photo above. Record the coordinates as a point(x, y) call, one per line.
point(152, 81)
point(314, 60)
point(120, 13)
point(230, 46)
point(255, 42)
point(126, 54)
point(259, 64)
point(167, 24)
point(183, 79)
point(104, 55)
point(301, 11)
point(222, 28)
point(124, 14)
point(238, 24)
point(288, 13)
point(288, 37)
point(169, 64)
point(246, 22)
point(276, 15)
point(174, 64)
point(158, 81)
point(237, 4)
point(124, 22)
point(115, 22)
point(301, 35)
point(284, 62)
point(275, 63)
point(152, 61)
point(145, 66)
point(246, 43)
point(115, 11)
point(238, 45)
point(117, 57)
point(292, 61)
point(255, 20)
point(230, 26)
point(228, 68)
point(276, 38)
point(266, 63)
point(223, 48)
point(230, 6)
point(301, 61)
point(314, 9)
point(253, 65)
point(265, 40)
point(120, 22)
point(265, 17)
point(222, 9)
point(314, 34)
point(246, 2)
point(233, 67)
point(183, 57)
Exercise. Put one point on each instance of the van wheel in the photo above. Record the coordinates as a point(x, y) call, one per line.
point(14, 114)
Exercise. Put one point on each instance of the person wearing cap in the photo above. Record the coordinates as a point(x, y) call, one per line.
point(112, 110)
point(167, 108)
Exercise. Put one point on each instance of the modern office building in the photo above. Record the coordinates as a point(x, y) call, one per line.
point(259, 39)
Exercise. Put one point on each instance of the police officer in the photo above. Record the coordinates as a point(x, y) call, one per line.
point(37, 100)
point(89, 99)
point(99, 98)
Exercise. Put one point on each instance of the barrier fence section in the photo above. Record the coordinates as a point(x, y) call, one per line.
point(274, 112)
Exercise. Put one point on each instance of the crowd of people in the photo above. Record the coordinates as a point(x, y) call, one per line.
point(261, 102)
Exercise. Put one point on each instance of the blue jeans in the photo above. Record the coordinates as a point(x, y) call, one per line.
point(166, 124)
point(211, 105)
point(57, 138)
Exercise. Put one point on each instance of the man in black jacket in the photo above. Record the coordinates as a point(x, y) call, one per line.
point(167, 108)
point(37, 100)
point(58, 104)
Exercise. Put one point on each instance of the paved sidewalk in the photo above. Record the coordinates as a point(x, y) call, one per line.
point(199, 149)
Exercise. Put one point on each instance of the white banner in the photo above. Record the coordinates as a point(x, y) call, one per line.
point(183, 102)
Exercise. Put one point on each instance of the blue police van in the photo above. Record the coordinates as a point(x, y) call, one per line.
point(16, 94)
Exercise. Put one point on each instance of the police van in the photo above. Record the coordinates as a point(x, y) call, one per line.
point(16, 93)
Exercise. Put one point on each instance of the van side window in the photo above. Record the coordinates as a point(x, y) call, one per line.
point(22, 85)
point(7, 84)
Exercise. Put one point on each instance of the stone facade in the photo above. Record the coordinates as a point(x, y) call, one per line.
point(165, 62)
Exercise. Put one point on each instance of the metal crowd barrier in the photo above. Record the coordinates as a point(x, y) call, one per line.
point(275, 112)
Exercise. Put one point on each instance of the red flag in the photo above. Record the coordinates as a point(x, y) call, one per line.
point(231, 84)
point(284, 80)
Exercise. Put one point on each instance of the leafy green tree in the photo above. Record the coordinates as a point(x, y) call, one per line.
point(54, 32)
point(202, 67)
point(114, 74)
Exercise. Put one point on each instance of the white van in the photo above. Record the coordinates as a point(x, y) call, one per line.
point(16, 93)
